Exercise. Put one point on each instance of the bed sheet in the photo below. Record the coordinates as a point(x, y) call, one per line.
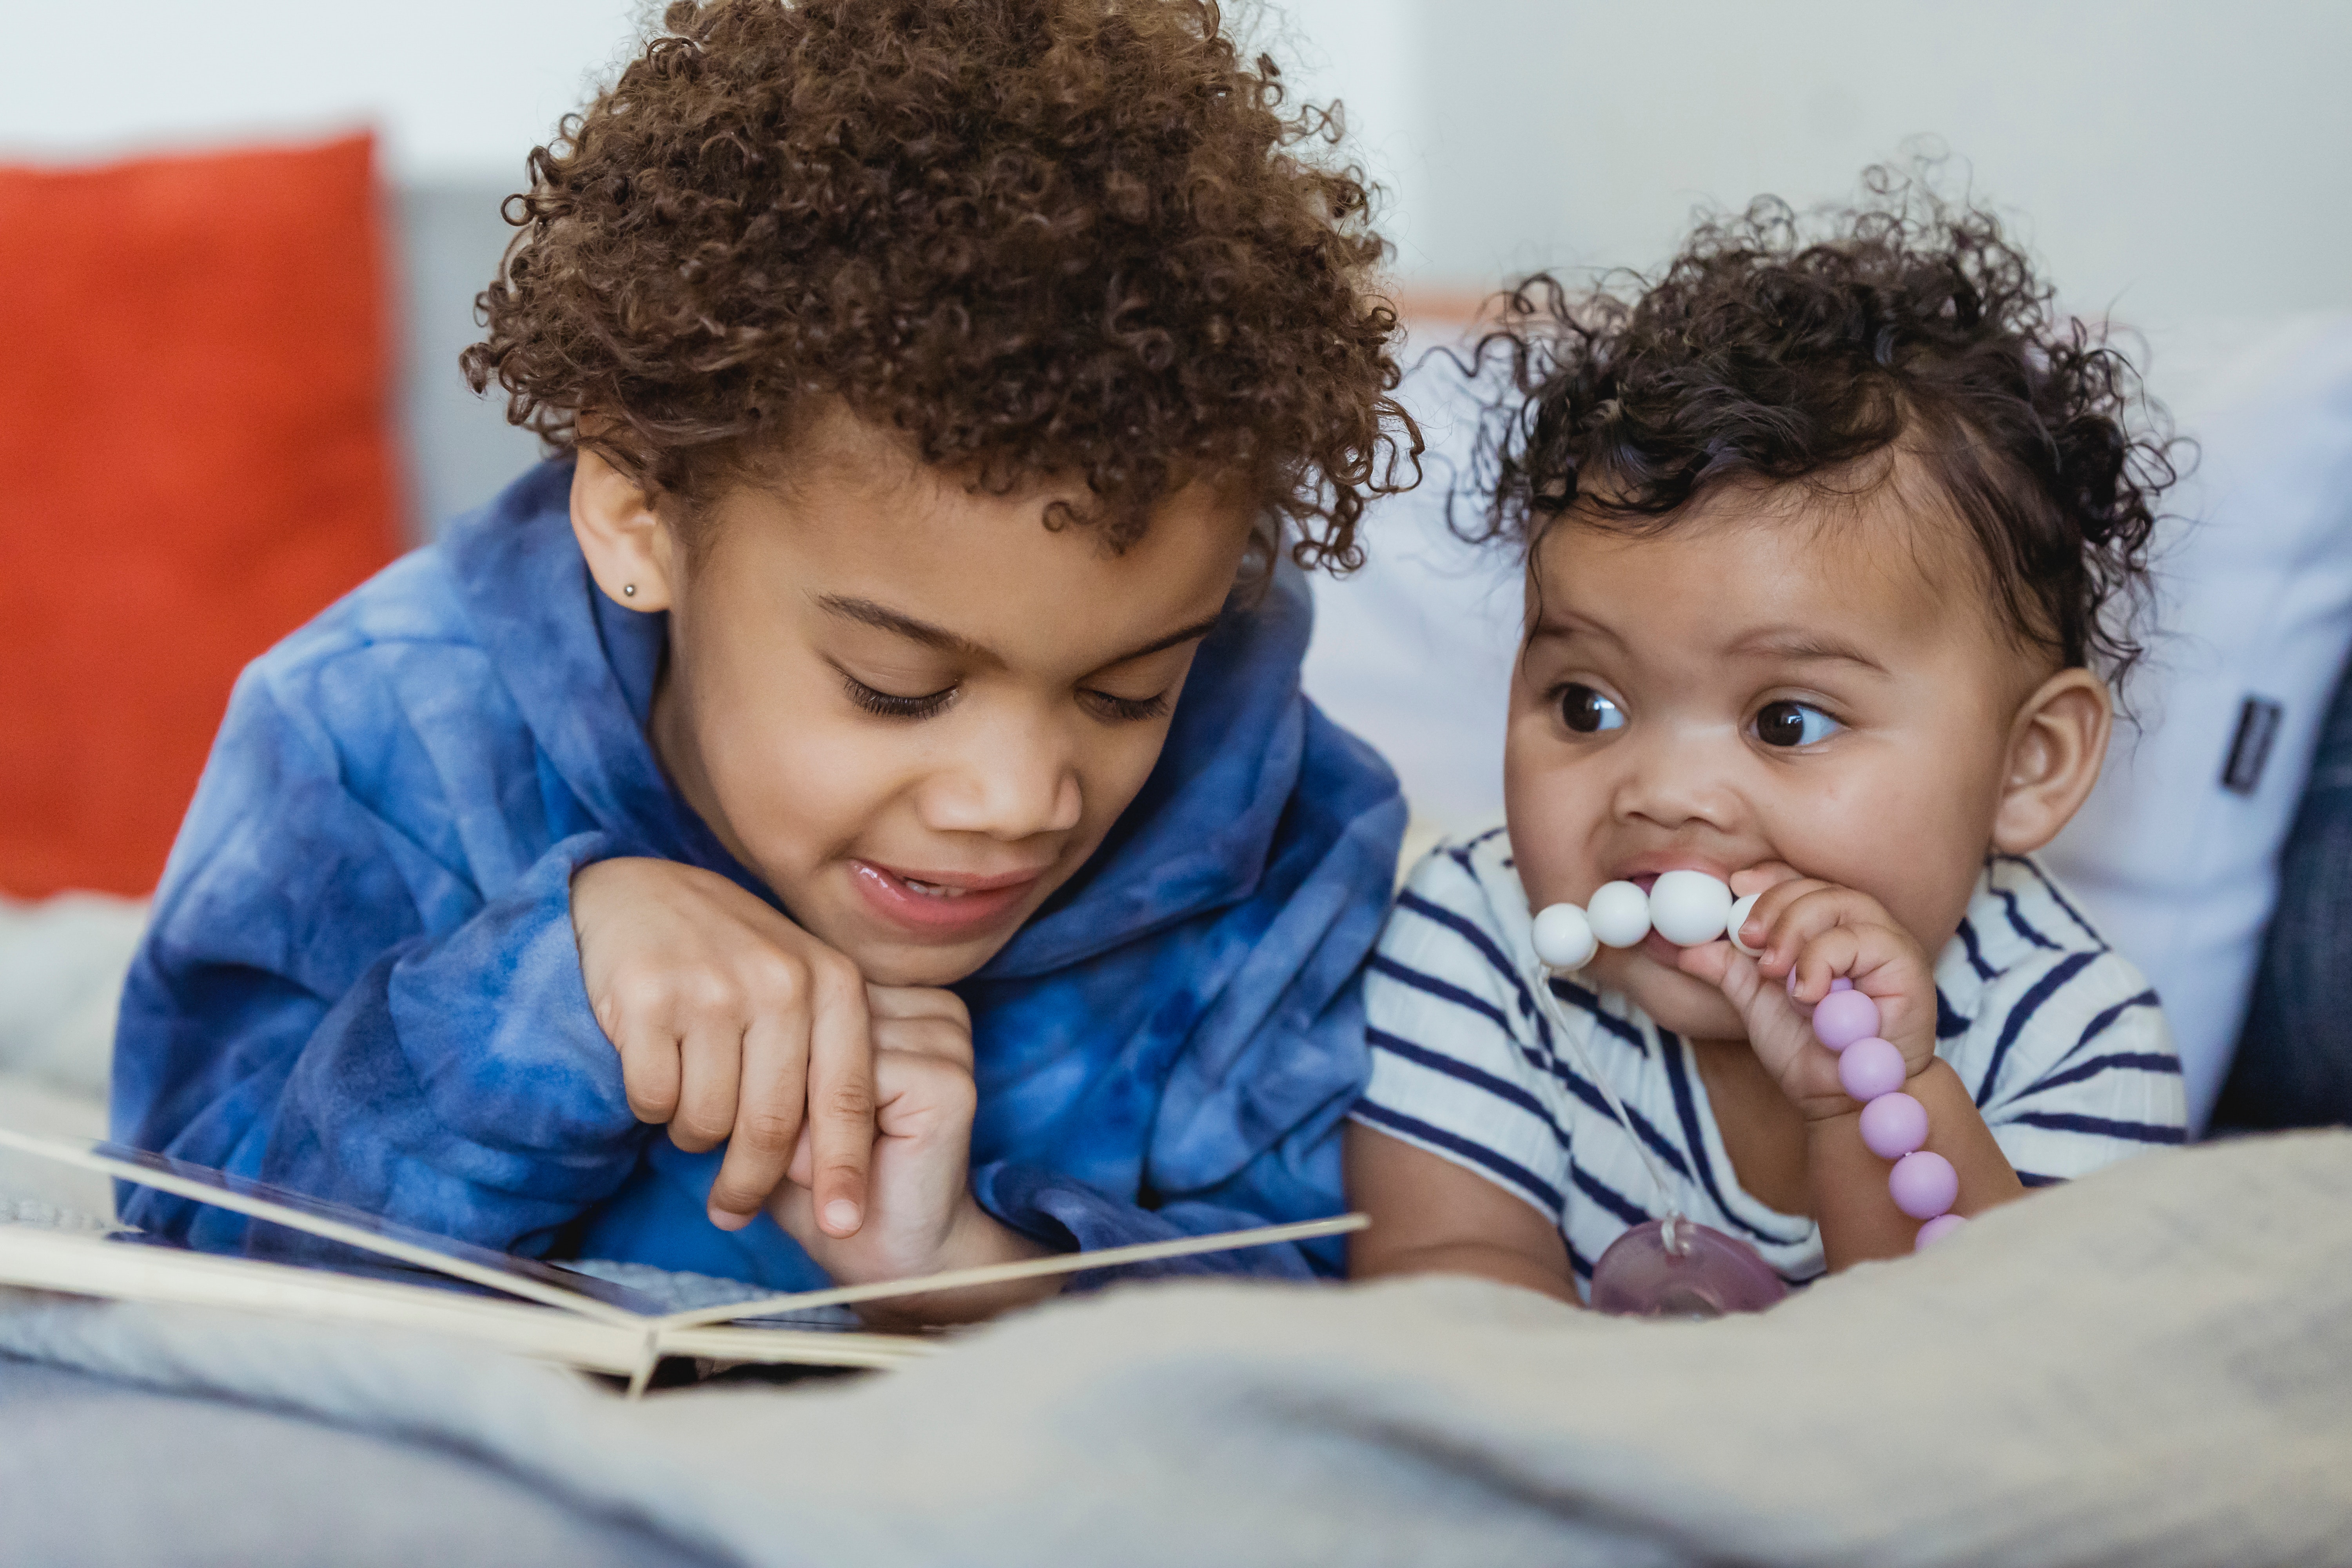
point(2152, 1366)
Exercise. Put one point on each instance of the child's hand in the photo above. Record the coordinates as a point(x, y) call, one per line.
point(1819, 932)
point(922, 1217)
point(732, 1023)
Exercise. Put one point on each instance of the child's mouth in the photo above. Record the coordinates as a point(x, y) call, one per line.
point(941, 904)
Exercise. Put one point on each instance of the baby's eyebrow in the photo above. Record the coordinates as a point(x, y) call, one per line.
point(1567, 624)
point(1804, 646)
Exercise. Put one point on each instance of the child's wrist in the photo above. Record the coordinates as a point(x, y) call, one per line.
point(975, 1238)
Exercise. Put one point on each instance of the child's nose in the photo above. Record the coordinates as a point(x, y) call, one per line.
point(1010, 780)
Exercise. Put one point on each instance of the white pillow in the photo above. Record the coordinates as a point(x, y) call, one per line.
point(2177, 869)
point(2177, 853)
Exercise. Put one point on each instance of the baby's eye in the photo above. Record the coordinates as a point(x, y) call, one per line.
point(1587, 713)
point(1793, 724)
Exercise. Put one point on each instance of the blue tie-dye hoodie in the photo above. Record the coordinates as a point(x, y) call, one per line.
point(362, 982)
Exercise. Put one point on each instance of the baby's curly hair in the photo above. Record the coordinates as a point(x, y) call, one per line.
point(1035, 236)
point(1773, 352)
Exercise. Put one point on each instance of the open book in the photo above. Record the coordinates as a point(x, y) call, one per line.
point(516, 1304)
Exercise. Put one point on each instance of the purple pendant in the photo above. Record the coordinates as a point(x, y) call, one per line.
point(1695, 1272)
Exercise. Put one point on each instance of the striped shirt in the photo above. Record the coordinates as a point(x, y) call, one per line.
point(2058, 1037)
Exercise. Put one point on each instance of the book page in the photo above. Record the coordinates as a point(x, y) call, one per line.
point(79, 1264)
point(525, 1277)
point(650, 1332)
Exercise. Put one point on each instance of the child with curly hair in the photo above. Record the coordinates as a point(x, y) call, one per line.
point(873, 749)
point(1831, 540)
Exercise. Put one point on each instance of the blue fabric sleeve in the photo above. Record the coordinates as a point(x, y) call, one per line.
point(323, 1001)
point(1069, 1215)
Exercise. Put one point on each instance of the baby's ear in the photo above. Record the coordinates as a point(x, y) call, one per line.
point(630, 549)
point(2055, 749)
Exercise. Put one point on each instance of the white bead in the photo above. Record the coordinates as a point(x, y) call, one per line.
point(1740, 913)
point(1563, 938)
point(1620, 913)
point(1688, 908)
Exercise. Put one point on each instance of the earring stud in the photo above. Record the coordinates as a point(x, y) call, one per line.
point(628, 590)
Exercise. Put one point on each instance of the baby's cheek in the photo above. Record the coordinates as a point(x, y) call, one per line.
point(1550, 827)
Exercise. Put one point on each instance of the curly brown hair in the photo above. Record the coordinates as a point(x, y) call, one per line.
point(1769, 352)
point(1036, 236)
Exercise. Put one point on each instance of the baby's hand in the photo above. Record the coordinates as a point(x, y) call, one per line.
point(1819, 932)
point(732, 1023)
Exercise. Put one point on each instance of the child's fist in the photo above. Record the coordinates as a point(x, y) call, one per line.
point(1809, 933)
point(732, 1023)
point(922, 1217)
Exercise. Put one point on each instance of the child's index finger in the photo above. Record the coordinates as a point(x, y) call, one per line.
point(841, 1104)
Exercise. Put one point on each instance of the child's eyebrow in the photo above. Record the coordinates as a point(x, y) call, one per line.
point(1199, 628)
point(883, 617)
point(868, 613)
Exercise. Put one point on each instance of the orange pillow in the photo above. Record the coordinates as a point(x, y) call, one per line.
point(194, 459)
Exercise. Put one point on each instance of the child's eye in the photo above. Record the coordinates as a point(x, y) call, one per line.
point(1125, 709)
point(1793, 724)
point(1588, 712)
point(889, 705)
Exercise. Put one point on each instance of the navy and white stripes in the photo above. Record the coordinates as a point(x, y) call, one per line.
point(2059, 1040)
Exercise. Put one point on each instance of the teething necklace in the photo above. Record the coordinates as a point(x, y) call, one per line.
point(1893, 1125)
point(1676, 1267)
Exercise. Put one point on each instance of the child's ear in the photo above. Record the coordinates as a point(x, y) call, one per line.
point(2055, 749)
point(631, 552)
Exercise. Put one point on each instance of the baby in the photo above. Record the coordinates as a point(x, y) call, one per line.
point(1828, 543)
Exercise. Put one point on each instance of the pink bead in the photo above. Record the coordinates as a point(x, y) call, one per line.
point(1841, 984)
point(1842, 1017)
point(1934, 1230)
point(1892, 1124)
point(1923, 1185)
point(1870, 1067)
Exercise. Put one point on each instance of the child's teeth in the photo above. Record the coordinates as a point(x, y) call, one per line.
point(934, 890)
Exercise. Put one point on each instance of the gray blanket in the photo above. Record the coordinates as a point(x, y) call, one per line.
point(2153, 1366)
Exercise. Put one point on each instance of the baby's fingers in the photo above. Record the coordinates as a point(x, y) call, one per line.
point(1822, 959)
point(1763, 876)
point(1885, 965)
point(1796, 914)
point(1776, 1027)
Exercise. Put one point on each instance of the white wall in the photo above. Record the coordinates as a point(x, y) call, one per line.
point(2175, 156)
point(462, 89)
